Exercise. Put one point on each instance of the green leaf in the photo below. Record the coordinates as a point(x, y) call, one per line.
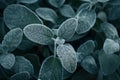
point(17, 15)
point(110, 46)
point(86, 20)
point(89, 64)
point(109, 30)
point(56, 3)
point(20, 76)
point(51, 69)
point(27, 1)
point(12, 39)
point(108, 63)
point(38, 33)
point(87, 47)
point(67, 11)
point(67, 55)
point(22, 64)
point(47, 14)
point(67, 29)
point(7, 60)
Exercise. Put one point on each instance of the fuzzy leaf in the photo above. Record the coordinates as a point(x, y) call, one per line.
point(27, 1)
point(12, 39)
point(108, 63)
point(67, 55)
point(38, 33)
point(67, 11)
point(56, 3)
point(109, 30)
point(53, 72)
point(47, 14)
point(22, 64)
point(86, 20)
point(7, 60)
point(17, 15)
point(67, 28)
point(110, 46)
point(21, 76)
point(89, 65)
point(87, 47)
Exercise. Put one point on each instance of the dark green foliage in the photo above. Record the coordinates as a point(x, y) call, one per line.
point(59, 40)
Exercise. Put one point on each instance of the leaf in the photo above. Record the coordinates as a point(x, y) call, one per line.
point(38, 33)
point(113, 13)
point(102, 16)
point(110, 46)
point(1, 49)
point(27, 1)
point(67, 29)
point(21, 76)
point(47, 14)
point(86, 20)
point(67, 55)
point(17, 15)
point(89, 64)
point(22, 64)
point(7, 60)
point(67, 11)
point(56, 3)
point(87, 47)
point(53, 72)
point(12, 39)
point(108, 63)
point(109, 30)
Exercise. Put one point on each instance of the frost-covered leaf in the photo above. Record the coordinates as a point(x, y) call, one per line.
point(102, 16)
point(108, 63)
point(27, 1)
point(109, 30)
point(22, 64)
point(38, 33)
point(67, 11)
point(12, 39)
point(89, 64)
point(103, 1)
point(47, 14)
point(56, 3)
point(1, 49)
point(113, 13)
point(110, 46)
point(7, 60)
point(86, 20)
point(17, 15)
point(67, 55)
point(51, 69)
point(21, 76)
point(67, 28)
point(87, 47)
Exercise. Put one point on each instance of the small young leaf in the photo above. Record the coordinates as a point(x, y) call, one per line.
point(47, 14)
point(86, 20)
point(102, 16)
point(12, 39)
point(53, 72)
point(38, 33)
point(67, 11)
point(22, 64)
point(108, 63)
point(109, 30)
point(87, 47)
point(17, 15)
point(7, 60)
point(67, 55)
point(67, 28)
point(21, 76)
point(56, 3)
point(110, 46)
point(27, 1)
point(89, 64)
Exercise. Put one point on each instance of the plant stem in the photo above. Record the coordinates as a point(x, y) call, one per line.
point(55, 52)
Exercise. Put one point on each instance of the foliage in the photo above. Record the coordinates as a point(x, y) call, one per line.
point(59, 40)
